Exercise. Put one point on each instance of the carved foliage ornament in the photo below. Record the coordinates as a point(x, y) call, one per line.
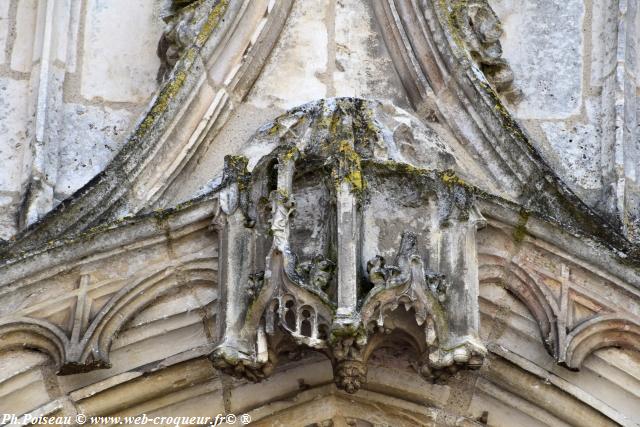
point(480, 30)
point(300, 267)
point(184, 19)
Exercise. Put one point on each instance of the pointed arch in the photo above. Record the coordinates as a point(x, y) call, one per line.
point(444, 65)
point(537, 299)
point(131, 299)
point(217, 68)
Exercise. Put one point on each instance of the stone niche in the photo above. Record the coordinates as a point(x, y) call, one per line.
point(324, 245)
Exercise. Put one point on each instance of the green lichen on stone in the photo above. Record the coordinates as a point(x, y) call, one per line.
point(450, 178)
point(173, 86)
point(355, 331)
point(212, 22)
point(291, 154)
point(399, 168)
point(237, 163)
point(274, 129)
point(457, 13)
point(236, 169)
point(351, 170)
point(161, 104)
point(451, 12)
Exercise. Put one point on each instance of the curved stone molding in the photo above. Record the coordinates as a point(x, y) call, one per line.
point(24, 332)
point(92, 350)
point(573, 322)
point(542, 306)
point(335, 157)
point(94, 296)
point(195, 100)
point(603, 331)
point(432, 45)
point(324, 408)
point(183, 24)
point(87, 347)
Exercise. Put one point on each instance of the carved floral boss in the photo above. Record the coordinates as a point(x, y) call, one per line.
point(330, 305)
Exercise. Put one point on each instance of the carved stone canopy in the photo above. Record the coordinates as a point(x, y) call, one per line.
point(325, 246)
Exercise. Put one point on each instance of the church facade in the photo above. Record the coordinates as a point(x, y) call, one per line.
point(320, 213)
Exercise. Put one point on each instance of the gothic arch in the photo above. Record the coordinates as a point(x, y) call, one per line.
point(220, 56)
point(603, 331)
point(493, 269)
point(131, 299)
point(448, 57)
point(325, 406)
point(24, 332)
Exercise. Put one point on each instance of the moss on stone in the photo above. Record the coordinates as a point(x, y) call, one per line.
point(161, 104)
point(173, 86)
point(291, 154)
point(450, 178)
point(356, 331)
point(457, 13)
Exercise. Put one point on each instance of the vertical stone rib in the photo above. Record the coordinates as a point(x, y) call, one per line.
point(347, 251)
point(620, 155)
point(47, 88)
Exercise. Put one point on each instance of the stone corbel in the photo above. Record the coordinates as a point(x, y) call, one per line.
point(334, 299)
point(432, 307)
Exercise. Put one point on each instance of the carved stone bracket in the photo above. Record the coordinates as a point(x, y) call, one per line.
point(334, 300)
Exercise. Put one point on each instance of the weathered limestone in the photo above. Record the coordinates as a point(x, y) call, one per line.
point(393, 249)
point(58, 49)
point(337, 314)
point(579, 90)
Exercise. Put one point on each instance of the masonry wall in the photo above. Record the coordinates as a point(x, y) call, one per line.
point(575, 63)
point(74, 78)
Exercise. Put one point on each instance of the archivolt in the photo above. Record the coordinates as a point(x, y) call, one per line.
point(166, 137)
point(92, 350)
point(24, 332)
point(539, 301)
point(436, 47)
point(603, 331)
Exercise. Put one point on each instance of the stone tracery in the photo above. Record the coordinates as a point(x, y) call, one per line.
point(344, 311)
point(323, 246)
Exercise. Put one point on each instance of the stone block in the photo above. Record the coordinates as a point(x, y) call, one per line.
point(119, 59)
point(543, 43)
point(22, 55)
point(14, 130)
point(362, 66)
point(90, 139)
point(4, 29)
point(579, 146)
point(294, 73)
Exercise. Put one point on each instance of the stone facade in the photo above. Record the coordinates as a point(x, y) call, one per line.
point(319, 213)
